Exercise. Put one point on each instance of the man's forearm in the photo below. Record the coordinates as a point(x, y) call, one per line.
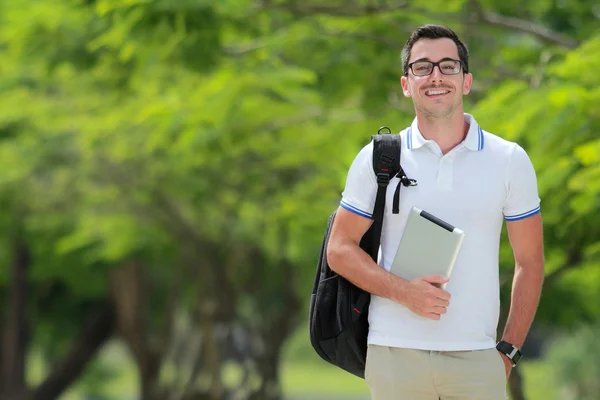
point(525, 296)
point(350, 261)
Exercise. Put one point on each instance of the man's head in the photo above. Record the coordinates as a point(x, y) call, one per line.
point(435, 65)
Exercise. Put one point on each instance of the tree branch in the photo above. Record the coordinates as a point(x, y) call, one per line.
point(362, 36)
point(536, 79)
point(539, 31)
point(92, 337)
point(238, 50)
point(308, 114)
point(573, 261)
point(345, 10)
point(16, 330)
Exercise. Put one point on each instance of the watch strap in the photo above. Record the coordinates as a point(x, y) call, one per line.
point(511, 351)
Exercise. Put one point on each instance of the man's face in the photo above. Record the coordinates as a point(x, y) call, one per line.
point(436, 95)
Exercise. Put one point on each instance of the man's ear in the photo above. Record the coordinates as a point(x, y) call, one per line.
point(468, 81)
point(405, 86)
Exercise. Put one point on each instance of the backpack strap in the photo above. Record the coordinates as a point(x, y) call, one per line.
point(386, 165)
point(405, 182)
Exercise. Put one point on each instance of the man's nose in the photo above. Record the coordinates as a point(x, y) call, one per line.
point(436, 74)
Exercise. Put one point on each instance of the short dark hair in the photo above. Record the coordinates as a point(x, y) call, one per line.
point(434, 32)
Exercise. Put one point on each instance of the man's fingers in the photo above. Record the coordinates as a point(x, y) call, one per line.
point(439, 310)
point(433, 289)
point(436, 310)
point(431, 316)
point(442, 302)
point(436, 302)
point(435, 279)
point(440, 294)
point(429, 301)
point(432, 312)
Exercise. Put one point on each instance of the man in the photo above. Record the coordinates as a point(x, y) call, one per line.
point(427, 343)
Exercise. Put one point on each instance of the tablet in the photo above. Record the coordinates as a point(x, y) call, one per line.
point(429, 246)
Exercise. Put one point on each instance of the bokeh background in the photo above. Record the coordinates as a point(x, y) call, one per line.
point(167, 168)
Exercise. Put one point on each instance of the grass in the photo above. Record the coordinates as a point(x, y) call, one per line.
point(320, 379)
point(302, 379)
point(303, 376)
point(112, 377)
point(538, 381)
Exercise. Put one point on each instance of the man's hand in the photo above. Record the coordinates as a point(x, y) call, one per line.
point(424, 298)
point(507, 365)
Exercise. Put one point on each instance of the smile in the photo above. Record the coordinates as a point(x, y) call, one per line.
point(436, 92)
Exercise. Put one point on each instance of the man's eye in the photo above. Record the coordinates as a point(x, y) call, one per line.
point(449, 66)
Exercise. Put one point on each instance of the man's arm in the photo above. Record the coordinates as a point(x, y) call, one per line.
point(348, 260)
point(526, 239)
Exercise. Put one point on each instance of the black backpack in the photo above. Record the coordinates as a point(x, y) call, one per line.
point(338, 317)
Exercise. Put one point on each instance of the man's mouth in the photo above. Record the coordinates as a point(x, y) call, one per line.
point(436, 92)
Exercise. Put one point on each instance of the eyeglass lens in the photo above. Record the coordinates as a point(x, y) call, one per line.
point(447, 67)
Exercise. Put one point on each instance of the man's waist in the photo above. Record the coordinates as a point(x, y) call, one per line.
point(441, 344)
point(464, 326)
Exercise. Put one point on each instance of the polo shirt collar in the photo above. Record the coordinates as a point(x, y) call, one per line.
point(474, 140)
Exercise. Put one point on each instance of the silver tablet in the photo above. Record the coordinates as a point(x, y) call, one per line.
point(429, 246)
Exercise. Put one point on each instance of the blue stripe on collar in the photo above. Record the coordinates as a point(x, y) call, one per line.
point(481, 142)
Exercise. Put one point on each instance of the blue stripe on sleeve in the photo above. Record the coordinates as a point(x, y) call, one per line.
point(355, 210)
point(523, 215)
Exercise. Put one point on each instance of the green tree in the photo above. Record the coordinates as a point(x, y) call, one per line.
point(167, 167)
point(576, 364)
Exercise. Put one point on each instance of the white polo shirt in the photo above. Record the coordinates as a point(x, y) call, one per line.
point(476, 185)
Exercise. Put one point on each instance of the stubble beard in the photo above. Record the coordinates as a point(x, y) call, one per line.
point(433, 114)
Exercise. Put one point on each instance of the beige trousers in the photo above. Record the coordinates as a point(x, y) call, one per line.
point(405, 374)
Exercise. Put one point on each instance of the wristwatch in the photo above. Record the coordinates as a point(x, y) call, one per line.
point(509, 350)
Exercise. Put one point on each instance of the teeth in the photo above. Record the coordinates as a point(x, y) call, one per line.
point(434, 92)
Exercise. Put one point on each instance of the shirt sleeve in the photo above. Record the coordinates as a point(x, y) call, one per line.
point(522, 199)
point(361, 186)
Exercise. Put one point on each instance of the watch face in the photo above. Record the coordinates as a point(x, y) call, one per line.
point(516, 357)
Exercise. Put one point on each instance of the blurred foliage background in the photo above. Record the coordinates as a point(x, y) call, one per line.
point(167, 168)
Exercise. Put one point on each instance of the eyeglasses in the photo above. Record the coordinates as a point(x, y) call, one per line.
point(447, 67)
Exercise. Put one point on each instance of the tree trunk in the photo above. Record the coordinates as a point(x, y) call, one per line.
point(268, 369)
point(129, 292)
point(93, 335)
point(515, 384)
point(275, 336)
point(16, 332)
point(210, 349)
point(515, 381)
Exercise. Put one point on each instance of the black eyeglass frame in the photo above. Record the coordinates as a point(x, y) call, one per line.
point(437, 64)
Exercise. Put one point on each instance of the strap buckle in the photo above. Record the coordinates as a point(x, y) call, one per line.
point(386, 160)
point(383, 179)
point(407, 181)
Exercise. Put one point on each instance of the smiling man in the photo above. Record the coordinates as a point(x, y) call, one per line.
point(425, 342)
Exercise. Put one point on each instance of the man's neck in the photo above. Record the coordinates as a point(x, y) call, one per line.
point(447, 132)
